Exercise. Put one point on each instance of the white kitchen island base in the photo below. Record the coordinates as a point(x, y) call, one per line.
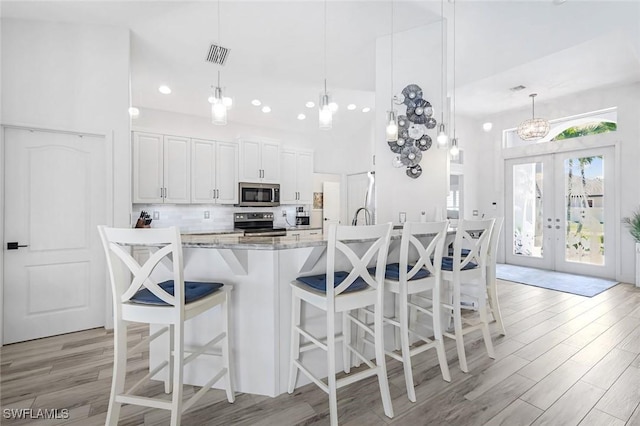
point(260, 308)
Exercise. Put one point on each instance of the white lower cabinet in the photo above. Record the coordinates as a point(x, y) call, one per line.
point(214, 172)
point(303, 232)
point(296, 176)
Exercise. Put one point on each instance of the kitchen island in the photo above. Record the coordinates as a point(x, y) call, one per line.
point(260, 270)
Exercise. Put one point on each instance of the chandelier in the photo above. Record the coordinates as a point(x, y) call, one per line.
point(534, 128)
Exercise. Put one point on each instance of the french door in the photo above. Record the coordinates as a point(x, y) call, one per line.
point(560, 212)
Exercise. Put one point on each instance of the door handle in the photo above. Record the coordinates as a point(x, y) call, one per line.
point(15, 245)
point(217, 194)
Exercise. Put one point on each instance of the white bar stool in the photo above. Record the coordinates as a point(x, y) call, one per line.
point(137, 298)
point(409, 280)
point(343, 292)
point(492, 284)
point(467, 274)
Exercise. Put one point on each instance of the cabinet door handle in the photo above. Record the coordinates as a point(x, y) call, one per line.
point(217, 193)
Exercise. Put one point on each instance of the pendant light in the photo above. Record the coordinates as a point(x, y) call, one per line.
point(534, 128)
point(325, 114)
point(392, 117)
point(442, 139)
point(219, 103)
point(454, 142)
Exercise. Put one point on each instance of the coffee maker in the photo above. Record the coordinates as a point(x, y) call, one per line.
point(302, 216)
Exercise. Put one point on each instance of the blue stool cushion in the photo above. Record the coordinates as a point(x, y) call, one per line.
point(447, 264)
point(463, 252)
point(192, 291)
point(392, 272)
point(319, 282)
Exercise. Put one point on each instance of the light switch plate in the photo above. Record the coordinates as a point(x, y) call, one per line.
point(156, 215)
point(475, 213)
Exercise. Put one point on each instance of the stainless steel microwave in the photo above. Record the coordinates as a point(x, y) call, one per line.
point(258, 194)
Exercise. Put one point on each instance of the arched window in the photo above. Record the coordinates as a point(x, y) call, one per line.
point(587, 124)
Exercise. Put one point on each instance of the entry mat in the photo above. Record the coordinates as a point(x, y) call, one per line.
point(559, 281)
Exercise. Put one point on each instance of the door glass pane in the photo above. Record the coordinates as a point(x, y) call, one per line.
point(527, 209)
point(584, 209)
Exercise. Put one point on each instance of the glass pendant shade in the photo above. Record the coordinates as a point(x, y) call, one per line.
point(534, 128)
point(392, 126)
point(454, 147)
point(218, 108)
point(325, 115)
point(442, 137)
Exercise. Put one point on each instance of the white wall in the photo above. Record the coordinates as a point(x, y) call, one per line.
point(484, 168)
point(417, 56)
point(71, 77)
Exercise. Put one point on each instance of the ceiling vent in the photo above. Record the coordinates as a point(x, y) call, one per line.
point(217, 54)
point(517, 88)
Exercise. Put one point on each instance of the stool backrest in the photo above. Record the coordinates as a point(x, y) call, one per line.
point(495, 235)
point(478, 245)
point(377, 238)
point(429, 257)
point(117, 244)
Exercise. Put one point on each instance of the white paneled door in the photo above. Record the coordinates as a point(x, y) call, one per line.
point(561, 213)
point(330, 204)
point(55, 196)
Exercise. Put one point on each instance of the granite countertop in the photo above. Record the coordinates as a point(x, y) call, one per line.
point(221, 241)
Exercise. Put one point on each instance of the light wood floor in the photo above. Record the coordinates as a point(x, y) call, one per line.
point(567, 360)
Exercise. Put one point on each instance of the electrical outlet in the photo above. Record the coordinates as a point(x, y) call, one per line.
point(284, 213)
point(207, 214)
point(156, 215)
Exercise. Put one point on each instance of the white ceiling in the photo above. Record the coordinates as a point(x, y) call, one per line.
point(277, 51)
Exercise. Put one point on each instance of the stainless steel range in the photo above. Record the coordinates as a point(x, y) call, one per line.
point(257, 224)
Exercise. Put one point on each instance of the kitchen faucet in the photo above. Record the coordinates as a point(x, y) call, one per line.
point(367, 216)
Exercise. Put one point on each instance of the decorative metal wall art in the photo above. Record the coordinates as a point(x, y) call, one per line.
point(412, 130)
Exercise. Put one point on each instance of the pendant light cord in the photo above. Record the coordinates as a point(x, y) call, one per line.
point(391, 78)
point(454, 69)
point(325, 47)
point(533, 107)
point(442, 77)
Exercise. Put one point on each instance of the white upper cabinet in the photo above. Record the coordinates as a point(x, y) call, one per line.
point(214, 172)
point(177, 172)
point(296, 177)
point(259, 161)
point(161, 169)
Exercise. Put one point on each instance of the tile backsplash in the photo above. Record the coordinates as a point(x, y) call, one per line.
point(190, 217)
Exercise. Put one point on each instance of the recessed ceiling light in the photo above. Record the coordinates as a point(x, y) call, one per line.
point(366, 109)
point(165, 90)
point(266, 109)
point(351, 107)
point(256, 102)
point(134, 112)
point(487, 126)
point(333, 106)
point(310, 104)
point(301, 116)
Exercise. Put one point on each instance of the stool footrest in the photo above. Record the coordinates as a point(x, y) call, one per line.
point(144, 401)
